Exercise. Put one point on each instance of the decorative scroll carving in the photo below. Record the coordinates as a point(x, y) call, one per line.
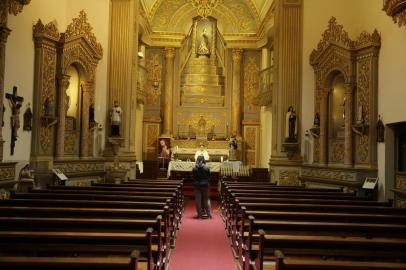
point(397, 10)
point(251, 82)
point(49, 29)
point(70, 143)
point(328, 174)
point(335, 34)
point(289, 177)
point(7, 173)
point(80, 167)
point(356, 61)
point(47, 94)
point(16, 6)
point(401, 182)
point(81, 27)
point(338, 152)
point(154, 73)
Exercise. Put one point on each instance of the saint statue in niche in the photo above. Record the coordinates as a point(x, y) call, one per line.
point(291, 125)
point(202, 126)
point(204, 44)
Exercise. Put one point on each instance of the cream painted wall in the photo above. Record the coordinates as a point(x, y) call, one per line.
point(266, 136)
point(20, 58)
point(357, 16)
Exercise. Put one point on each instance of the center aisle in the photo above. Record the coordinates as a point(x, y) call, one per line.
point(202, 243)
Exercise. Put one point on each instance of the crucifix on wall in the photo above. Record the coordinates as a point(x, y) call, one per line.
point(15, 102)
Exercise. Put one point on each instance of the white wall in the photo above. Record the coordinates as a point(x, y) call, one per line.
point(20, 58)
point(357, 16)
point(266, 136)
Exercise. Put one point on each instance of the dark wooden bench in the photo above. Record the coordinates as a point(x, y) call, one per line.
point(326, 248)
point(293, 263)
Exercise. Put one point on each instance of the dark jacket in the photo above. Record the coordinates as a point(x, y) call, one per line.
point(201, 175)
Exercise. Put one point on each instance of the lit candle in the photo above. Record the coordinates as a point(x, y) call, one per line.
point(221, 158)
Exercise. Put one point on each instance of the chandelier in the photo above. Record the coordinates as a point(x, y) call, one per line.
point(205, 7)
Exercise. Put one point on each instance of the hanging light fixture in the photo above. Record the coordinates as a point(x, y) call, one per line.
point(205, 7)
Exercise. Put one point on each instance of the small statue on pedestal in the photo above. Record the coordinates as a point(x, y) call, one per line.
point(290, 125)
point(232, 155)
point(115, 119)
point(25, 179)
point(380, 130)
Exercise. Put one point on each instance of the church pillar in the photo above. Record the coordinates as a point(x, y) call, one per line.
point(4, 32)
point(236, 93)
point(123, 73)
point(60, 137)
point(168, 92)
point(84, 147)
point(323, 125)
point(285, 159)
point(348, 142)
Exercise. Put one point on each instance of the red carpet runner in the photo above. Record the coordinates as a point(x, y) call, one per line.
point(202, 243)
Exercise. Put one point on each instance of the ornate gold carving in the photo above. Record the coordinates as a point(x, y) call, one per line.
point(47, 94)
point(205, 8)
point(335, 34)
point(154, 68)
point(338, 152)
point(251, 82)
point(152, 136)
point(251, 138)
point(316, 150)
point(193, 120)
point(81, 27)
point(82, 167)
point(401, 181)
point(237, 55)
point(16, 6)
point(7, 173)
point(70, 143)
point(329, 174)
point(289, 178)
point(49, 29)
point(400, 203)
point(363, 94)
point(397, 10)
point(169, 53)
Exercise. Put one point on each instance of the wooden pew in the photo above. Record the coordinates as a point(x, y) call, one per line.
point(342, 229)
point(294, 263)
point(75, 250)
point(326, 248)
point(71, 263)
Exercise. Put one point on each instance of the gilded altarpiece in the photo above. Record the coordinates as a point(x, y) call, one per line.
point(356, 62)
point(55, 135)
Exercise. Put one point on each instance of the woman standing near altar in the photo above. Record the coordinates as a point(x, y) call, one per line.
point(201, 178)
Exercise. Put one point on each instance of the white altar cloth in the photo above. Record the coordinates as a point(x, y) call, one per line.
point(187, 166)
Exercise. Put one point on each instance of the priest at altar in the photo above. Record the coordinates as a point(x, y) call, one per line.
point(202, 152)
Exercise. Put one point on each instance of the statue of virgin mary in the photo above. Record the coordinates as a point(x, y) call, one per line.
point(203, 47)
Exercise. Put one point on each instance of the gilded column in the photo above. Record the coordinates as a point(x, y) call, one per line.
point(60, 137)
point(168, 92)
point(348, 142)
point(84, 147)
point(323, 125)
point(4, 32)
point(236, 93)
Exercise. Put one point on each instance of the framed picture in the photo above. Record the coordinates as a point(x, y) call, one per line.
point(370, 183)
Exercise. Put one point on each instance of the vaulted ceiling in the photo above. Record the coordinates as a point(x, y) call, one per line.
point(234, 16)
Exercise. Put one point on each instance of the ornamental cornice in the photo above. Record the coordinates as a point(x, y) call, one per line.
point(49, 30)
point(336, 35)
point(397, 10)
point(81, 27)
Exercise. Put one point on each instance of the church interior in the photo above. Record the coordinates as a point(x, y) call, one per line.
point(295, 105)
